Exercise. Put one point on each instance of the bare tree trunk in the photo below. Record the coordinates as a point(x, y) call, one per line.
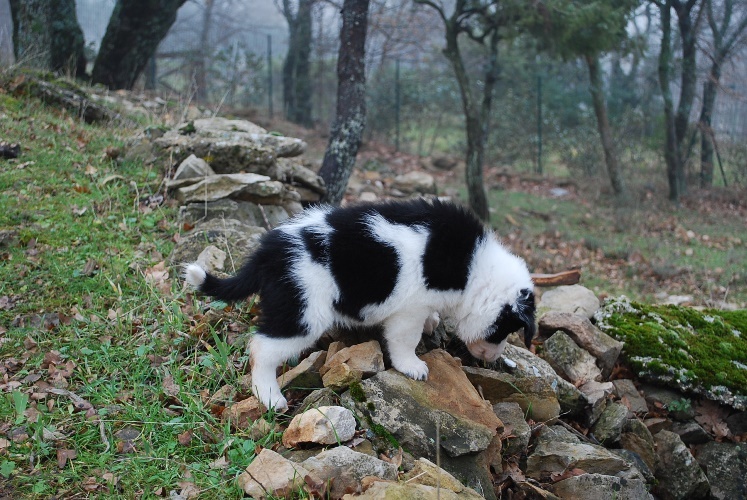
point(706, 132)
point(675, 171)
point(688, 81)
point(603, 125)
point(476, 119)
point(203, 54)
point(46, 35)
point(725, 35)
point(350, 121)
point(297, 68)
point(135, 29)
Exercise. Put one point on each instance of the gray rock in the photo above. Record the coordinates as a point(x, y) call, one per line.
point(534, 395)
point(678, 405)
point(317, 398)
point(415, 182)
point(381, 490)
point(690, 432)
point(629, 395)
point(636, 438)
point(211, 259)
point(558, 457)
point(554, 434)
point(322, 425)
point(249, 187)
point(305, 374)
point(444, 162)
point(237, 239)
point(574, 299)
point(271, 474)
point(516, 431)
point(190, 170)
point(408, 412)
point(657, 424)
point(252, 214)
point(737, 423)
point(640, 467)
point(725, 465)
point(345, 468)
point(609, 426)
point(427, 473)
point(572, 401)
point(586, 335)
point(294, 172)
point(596, 486)
point(570, 361)
point(232, 145)
point(596, 394)
point(679, 475)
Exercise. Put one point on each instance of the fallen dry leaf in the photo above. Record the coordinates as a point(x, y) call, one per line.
point(711, 417)
point(63, 455)
point(185, 437)
point(169, 386)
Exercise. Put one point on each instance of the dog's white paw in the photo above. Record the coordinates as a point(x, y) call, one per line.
point(271, 398)
point(431, 322)
point(415, 369)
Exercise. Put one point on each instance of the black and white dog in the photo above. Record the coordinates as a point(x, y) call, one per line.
point(396, 264)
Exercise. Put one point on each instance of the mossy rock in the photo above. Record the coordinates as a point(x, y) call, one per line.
point(699, 352)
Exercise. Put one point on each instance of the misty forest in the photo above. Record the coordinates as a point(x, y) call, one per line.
point(603, 141)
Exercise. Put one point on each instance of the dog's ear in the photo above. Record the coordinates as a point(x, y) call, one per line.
point(530, 329)
point(525, 307)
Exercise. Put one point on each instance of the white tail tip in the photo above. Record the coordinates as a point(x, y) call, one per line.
point(194, 275)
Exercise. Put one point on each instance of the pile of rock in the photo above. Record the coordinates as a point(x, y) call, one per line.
point(553, 426)
point(234, 181)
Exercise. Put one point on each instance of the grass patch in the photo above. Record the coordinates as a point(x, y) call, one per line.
point(642, 249)
point(105, 365)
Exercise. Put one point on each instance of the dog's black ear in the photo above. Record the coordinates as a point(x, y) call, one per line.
point(530, 329)
point(526, 308)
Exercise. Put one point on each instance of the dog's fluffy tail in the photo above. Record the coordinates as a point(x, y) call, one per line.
point(238, 287)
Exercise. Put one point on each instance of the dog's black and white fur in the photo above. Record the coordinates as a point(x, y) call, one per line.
point(396, 264)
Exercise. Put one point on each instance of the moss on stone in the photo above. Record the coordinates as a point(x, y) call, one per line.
point(704, 352)
point(357, 392)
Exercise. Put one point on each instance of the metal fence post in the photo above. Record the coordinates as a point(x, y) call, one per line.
point(269, 73)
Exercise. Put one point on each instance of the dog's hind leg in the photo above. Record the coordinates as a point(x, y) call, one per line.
point(266, 354)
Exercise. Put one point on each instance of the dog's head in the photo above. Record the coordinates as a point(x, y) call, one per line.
point(512, 317)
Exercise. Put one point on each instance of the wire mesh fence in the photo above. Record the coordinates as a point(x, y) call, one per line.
point(228, 55)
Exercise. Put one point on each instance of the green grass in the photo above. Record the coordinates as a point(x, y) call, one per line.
point(113, 337)
point(638, 249)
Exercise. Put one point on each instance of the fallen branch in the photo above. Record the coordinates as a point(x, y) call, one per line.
point(571, 277)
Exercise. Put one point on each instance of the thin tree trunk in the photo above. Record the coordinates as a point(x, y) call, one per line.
point(724, 40)
point(688, 83)
point(475, 127)
point(706, 132)
point(302, 114)
point(671, 154)
point(203, 54)
point(297, 88)
point(135, 29)
point(350, 121)
point(603, 125)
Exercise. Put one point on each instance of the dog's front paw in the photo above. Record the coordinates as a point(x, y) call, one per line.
point(415, 369)
point(271, 398)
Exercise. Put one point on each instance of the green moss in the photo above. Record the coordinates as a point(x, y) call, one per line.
point(357, 392)
point(381, 431)
point(701, 351)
